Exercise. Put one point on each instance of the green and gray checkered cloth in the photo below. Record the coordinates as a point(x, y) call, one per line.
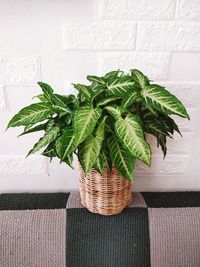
point(55, 230)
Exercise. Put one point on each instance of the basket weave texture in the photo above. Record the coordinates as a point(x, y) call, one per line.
point(106, 194)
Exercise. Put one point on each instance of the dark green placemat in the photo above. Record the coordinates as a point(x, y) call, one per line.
point(113, 241)
point(28, 201)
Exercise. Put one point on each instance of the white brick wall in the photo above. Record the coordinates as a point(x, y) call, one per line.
point(134, 9)
point(63, 41)
point(99, 35)
point(153, 64)
point(168, 36)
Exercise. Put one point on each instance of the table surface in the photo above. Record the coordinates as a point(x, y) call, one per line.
point(53, 229)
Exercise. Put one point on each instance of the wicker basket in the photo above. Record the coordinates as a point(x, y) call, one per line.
point(106, 195)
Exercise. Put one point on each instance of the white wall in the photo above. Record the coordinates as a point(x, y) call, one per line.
point(62, 41)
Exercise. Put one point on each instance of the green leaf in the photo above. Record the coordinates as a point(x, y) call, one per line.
point(50, 151)
point(161, 141)
point(90, 149)
point(93, 78)
point(112, 75)
point(115, 111)
point(129, 98)
point(157, 97)
point(101, 162)
point(50, 123)
point(41, 97)
point(59, 104)
point(170, 124)
point(97, 87)
point(155, 127)
point(84, 89)
point(120, 86)
point(40, 127)
point(59, 148)
point(85, 119)
point(106, 101)
point(31, 114)
point(49, 137)
point(28, 126)
point(140, 79)
point(47, 90)
point(64, 144)
point(122, 159)
point(69, 160)
point(131, 136)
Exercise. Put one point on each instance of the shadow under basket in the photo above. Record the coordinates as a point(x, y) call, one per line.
point(106, 194)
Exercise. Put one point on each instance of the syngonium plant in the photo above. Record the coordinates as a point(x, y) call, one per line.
point(105, 124)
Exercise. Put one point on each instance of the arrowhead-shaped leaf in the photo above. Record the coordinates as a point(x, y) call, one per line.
point(157, 97)
point(140, 79)
point(131, 136)
point(47, 90)
point(85, 119)
point(64, 145)
point(122, 159)
point(90, 149)
point(115, 111)
point(37, 128)
point(161, 141)
point(120, 86)
point(41, 97)
point(112, 75)
point(129, 98)
point(59, 104)
point(85, 90)
point(101, 162)
point(50, 151)
point(93, 78)
point(105, 101)
point(49, 137)
point(31, 114)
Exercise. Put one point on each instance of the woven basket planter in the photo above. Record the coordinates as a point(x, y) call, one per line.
point(106, 194)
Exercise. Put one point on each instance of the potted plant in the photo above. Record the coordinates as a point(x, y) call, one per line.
point(105, 127)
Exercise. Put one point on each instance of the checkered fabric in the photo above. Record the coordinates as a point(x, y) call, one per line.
point(55, 230)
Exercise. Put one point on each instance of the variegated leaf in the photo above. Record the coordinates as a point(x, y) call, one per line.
point(93, 78)
point(85, 90)
point(90, 149)
point(155, 127)
point(41, 97)
point(50, 151)
point(115, 111)
point(106, 101)
point(129, 98)
point(64, 145)
point(59, 104)
point(85, 119)
point(157, 97)
point(140, 79)
point(120, 86)
point(122, 159)
point(49, 137)
point(31, 114)
point(101, 162)
point(161, 141)
point(112, 75)
point(40, 127)
point(47, 90)
point(131, 136)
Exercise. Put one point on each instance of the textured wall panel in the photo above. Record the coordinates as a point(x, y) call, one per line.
point(99, 35)
point(168, 36)
point(155, 65)
point(134, 9)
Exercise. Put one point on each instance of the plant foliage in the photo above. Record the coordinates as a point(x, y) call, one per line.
point(105, 124)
